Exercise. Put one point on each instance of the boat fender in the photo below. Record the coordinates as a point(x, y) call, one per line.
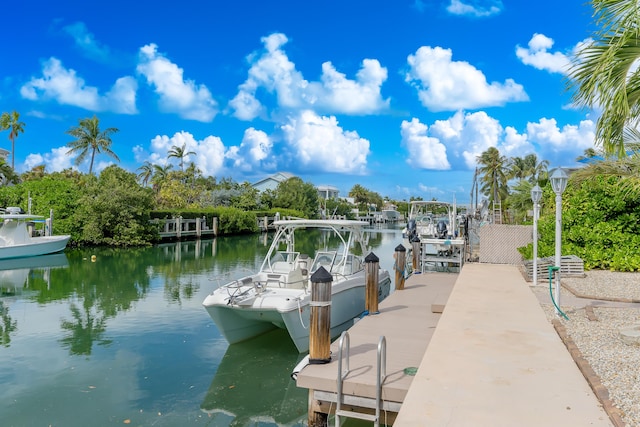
point(304, 362)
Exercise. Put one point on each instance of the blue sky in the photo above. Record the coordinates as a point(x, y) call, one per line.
point(397, 96)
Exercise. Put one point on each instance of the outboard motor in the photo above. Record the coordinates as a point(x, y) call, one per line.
point(441, 230)
point(412, 230)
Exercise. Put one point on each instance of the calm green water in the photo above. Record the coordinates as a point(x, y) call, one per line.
point(124, 340)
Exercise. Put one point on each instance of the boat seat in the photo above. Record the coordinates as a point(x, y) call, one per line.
point(275, 281)
point(296, 279)
point(283, 267)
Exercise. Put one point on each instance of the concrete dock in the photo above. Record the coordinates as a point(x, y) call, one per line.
point(492, 358)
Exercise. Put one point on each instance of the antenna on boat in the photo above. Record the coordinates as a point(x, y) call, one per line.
point(29, 203)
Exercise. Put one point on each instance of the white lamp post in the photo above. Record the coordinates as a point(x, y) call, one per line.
point(536, 195)
point(558, 180)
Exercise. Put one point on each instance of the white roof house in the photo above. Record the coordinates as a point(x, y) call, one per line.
point(4, 154)
point(326, 192)
point(271, 182)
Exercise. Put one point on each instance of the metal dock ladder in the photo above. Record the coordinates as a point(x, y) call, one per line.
point(380, 377)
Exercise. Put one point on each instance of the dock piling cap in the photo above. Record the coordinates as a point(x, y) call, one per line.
point(321, 275)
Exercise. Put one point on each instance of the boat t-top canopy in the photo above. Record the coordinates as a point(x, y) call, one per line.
point(321, 223)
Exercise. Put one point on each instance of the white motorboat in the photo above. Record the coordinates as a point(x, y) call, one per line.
point(278, 295)
point(16, 240)
point(434, 224)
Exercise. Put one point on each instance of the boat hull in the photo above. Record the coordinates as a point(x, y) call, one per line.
point(290, 310)
point(35, 247)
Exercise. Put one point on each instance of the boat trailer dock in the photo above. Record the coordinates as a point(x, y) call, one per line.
point(491, 357)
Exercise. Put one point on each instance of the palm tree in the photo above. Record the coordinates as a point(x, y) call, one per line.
point(535, 169)
point(517, 168)
point(37, 172)
point(180, 153)
point(604, 75)
point(493, 174)
point(360, 196)
point(146, 172)
point(12, 122)
point(160, 174)
point(90, 140)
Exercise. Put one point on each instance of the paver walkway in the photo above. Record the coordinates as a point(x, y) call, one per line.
point(495, 360)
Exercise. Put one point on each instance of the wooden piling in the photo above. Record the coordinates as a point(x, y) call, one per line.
point(400, 263)
point(371, 281)
point(317, 416)
point(178, 226)
point(415, 249)
point(320, 323)
point(50, 221)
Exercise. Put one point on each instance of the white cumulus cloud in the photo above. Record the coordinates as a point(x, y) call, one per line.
point(561, 142)
point(254, 152)
point(446, 85)
point(538, 56)
point(177, 95)
point(318, 143)
point(475, 8)
point(55, 161)
point(424, 152)
point(273, 71)
point(67, 88)
point(467, 135)
point(209, 152)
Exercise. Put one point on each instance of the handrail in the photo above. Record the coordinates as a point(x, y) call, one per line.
point(342, 375)
point(381, 372)
point(382, 375)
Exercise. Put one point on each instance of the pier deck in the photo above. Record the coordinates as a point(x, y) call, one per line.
point(493, 359)
point(407, 321)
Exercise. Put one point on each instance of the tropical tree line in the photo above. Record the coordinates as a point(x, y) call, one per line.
point(599, 202)
point(507, 182)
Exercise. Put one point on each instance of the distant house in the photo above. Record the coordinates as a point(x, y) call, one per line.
point(326, 192)
point(271, 182)
point(4, 154)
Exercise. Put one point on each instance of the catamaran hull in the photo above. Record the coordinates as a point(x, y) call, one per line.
point(35, 247)
point(239, 323)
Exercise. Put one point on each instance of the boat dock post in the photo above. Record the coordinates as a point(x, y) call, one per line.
point(320, 317)
point(48, 224)
point(371, 283)
point(399, 266)
point(415, 250)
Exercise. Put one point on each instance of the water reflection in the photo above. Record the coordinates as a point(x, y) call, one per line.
point(103, 336)
point(18, 276)
point(257, 371)
point(83, 331)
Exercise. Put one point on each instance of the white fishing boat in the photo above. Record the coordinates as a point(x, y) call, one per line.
point(278, 295)
point(434, 224)
point(16, 240)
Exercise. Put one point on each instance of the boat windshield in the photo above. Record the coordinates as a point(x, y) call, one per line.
point(323, 259)
point(282, 261)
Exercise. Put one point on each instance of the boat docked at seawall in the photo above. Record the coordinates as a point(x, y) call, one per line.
point(16, 240)
point(435, 226)
point(279, 294)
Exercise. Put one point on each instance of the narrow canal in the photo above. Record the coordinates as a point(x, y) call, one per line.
point(119, 337)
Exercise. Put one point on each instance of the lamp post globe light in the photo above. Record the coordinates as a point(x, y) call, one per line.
point(536, 195)
point(558, 180)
